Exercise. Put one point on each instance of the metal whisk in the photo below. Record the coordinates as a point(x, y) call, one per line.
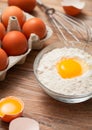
point(71, 29)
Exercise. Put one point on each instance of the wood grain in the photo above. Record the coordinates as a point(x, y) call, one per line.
point(20, 81)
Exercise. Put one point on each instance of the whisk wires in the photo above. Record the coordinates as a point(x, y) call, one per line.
point(70, 28)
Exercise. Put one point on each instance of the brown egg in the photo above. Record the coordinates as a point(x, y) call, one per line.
point(2, 31)
point(36, 26)
point(13, 11)
point(3, 59)
point(14, 43)
point(26, 5)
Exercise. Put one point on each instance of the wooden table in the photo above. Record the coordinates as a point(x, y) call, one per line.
point(21, 82)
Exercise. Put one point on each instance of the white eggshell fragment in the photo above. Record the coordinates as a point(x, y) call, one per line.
point(23, 123)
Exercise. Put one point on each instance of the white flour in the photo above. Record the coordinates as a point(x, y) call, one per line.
point(50, 78)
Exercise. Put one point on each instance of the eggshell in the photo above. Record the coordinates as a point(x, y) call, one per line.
point(48, 29)
point(3, 108)
point(4, 60)
point(26, 5)
point(23, 123)
point(72, 7)
point(15, 43)
point(36, 26)
point(33, 43)
point(2, 31)
point(13, 11)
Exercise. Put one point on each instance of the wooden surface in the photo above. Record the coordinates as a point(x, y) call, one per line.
point(20, 81)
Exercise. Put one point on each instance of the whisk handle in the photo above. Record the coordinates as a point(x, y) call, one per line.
point(48, 11)
point(39, 2)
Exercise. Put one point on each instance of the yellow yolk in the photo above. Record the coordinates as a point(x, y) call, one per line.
point(10, 106)
point(69, 68)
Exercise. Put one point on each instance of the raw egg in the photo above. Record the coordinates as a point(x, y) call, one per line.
point(72, 7)
point(3, 59)
point(15, 43)
point(13, 11)
point(69, 68)
point(2, 31)
point(10, 108)
point(36, 26)
point(26, 5)
point(23, 123)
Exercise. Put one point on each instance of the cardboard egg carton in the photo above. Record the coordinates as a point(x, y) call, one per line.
point(33, 43)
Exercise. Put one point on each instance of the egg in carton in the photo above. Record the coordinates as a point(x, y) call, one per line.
point(33, 43)
point(35, 39)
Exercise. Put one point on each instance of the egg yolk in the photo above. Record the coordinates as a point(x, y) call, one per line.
point(9, 106)
point(69, 68)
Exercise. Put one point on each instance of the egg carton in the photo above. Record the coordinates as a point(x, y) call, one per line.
point(33, 43)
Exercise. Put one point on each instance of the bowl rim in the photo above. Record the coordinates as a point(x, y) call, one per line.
point(47, 89)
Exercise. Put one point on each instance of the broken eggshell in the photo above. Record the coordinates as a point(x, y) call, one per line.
point(10, 108)
point(72, 7)
point(23, 123)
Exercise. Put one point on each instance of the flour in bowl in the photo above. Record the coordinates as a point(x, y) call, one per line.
point(66, 71)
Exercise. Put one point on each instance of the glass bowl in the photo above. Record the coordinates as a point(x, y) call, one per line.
point(87, 47)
